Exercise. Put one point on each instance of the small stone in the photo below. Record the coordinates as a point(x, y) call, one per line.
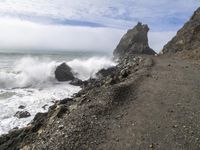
point(175, 126)
point(60, 127)
point(44, 107)
point(15, 128)
point(89, 100)
point(151, 145)
point(21, 107)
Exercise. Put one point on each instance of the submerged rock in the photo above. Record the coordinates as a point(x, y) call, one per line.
point(64, 73)
point(187, 38)
point(135, 41)
point(22, 114)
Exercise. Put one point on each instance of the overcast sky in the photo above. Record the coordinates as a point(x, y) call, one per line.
point(88, 24)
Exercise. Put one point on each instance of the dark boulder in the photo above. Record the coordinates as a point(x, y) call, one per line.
point(106, 72)
point(64, 73)
point(22, 114)
point(135, 41)
point(76, 82)
point(187, 38)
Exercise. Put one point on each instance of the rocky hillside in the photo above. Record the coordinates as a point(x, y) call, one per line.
point(187, 38)
point(83, 122)
point(135, 41)
point(144, 103)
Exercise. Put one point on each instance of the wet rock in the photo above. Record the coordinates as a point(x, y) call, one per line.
point(22, 114)
point(15, 128)
point(135, 41)
point(65, 101)
point(64, 73)
point(44, 107)
point(21, 107)
point(76, 82)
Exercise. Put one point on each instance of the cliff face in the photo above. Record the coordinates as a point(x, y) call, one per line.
point(135, 41)
point(188, 37)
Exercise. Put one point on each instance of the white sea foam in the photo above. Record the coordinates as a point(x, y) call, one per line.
point(28, 72)
point(34, 100)
point(34, 72)
point(30, 82)
point(87, 68)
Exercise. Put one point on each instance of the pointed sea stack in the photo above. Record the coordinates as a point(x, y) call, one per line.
point(187, 38)
point(135, 41)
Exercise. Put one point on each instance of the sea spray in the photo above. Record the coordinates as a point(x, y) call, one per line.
point(28, 72)
point(35, 72)
point(30, 81)
point(86, 68)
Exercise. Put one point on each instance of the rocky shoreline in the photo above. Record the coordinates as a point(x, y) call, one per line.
point(142, 103)
point(76, 120)
point(72, 119)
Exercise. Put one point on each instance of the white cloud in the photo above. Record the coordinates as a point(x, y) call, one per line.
point(158, 39)
point(113, 13)
point(25, 35)
point(163, 16)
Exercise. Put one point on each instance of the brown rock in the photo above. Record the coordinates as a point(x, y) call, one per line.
point(135, 41)
point(188, 37)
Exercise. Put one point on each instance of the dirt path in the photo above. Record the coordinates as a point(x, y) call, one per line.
point(155, 107)
point(165, 114)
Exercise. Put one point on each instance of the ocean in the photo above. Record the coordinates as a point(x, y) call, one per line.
point(28, 79)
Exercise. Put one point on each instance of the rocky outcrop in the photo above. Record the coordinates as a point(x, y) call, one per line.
point(106, 72)
point(64, 73)
point(135, 41)
point(81, 122)
point(187, 38)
